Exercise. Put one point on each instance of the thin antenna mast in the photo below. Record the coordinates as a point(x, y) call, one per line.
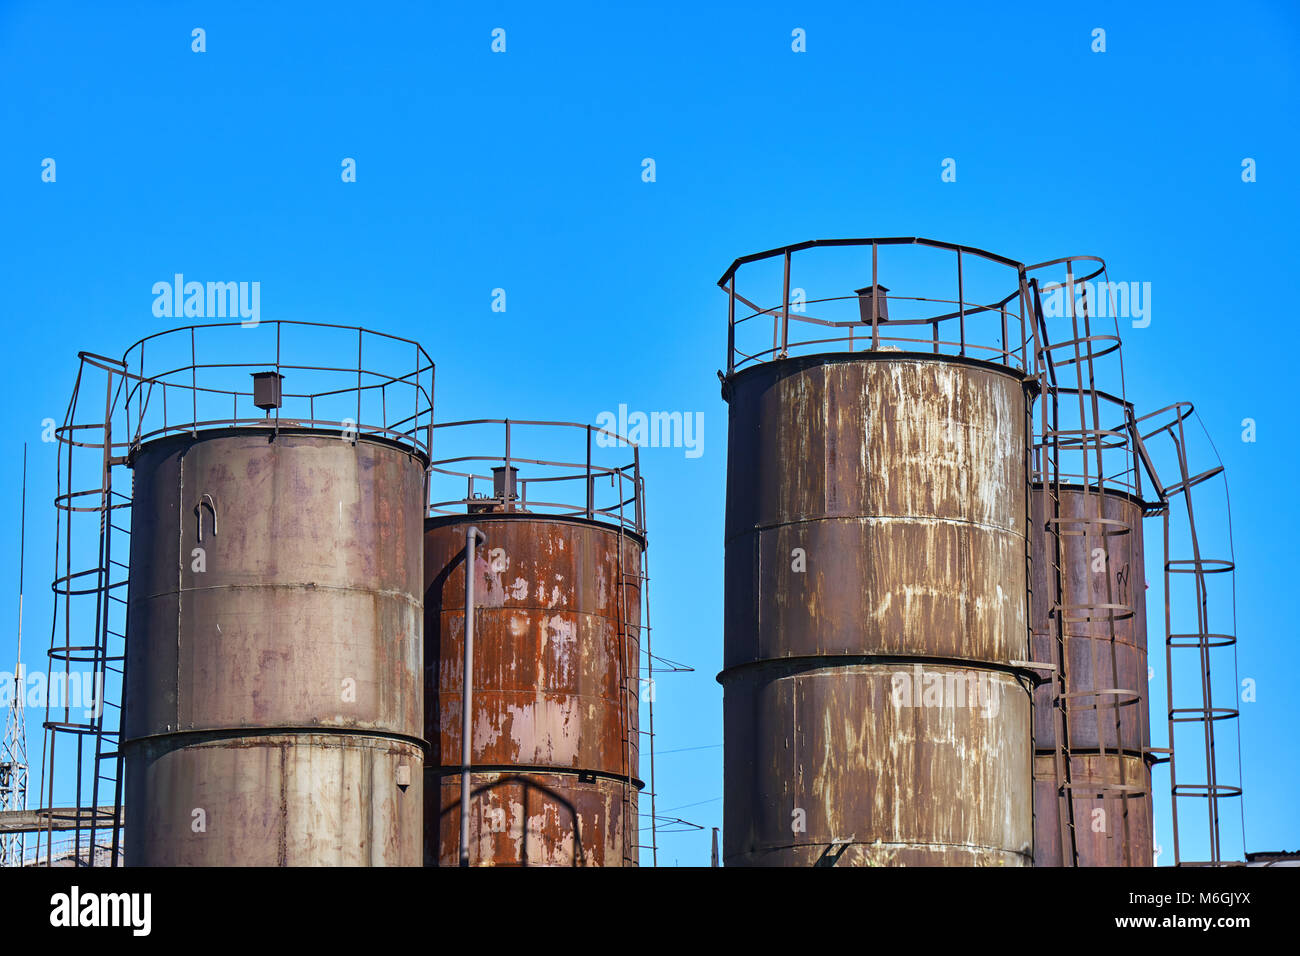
point(13, 749)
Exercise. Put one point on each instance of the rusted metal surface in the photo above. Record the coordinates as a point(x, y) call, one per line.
point(873, 782)
point(299, 799)
point(556, 655)
point(535, 819)
point(1103, 614)
point(1112, 810)
point(898, 482)
point(278, 689)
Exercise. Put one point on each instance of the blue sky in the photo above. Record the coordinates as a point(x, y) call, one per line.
point(522, 171)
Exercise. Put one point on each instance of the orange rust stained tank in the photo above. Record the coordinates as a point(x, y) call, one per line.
point(1109, 738)
point(876, 711)
point(556, 653)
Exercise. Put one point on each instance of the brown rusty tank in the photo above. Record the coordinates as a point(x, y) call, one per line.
point(555, 749)
point(875, 708)
point(273, 674)
point(1104, 614)
point(1112, 810)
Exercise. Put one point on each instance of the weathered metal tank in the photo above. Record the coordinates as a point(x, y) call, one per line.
point(1109, 738)
point(554, 707)
point(876, 612)
point(274, 672)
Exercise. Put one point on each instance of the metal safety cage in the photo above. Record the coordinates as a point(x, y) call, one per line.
point(986, 316)
point(87, 645)
point(1200, 632)
point(599, 479)
point(1087, 436)
point(221, 375)
point(181, 381)
point(496, 471)
point(1089, 465)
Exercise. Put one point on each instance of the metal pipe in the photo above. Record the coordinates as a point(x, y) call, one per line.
point(472, 536)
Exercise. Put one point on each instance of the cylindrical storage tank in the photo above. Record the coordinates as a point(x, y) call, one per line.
point(274, 672)
point(876, 709)
point(556, 669)
point(1103, 613)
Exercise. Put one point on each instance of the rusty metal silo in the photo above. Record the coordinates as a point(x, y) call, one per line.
point(553, 773)
point(273, 686)
point(1109, 737)
point(876, 700)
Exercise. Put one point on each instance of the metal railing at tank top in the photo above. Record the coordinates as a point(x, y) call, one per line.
point(87, 640)
point(578, 487)
point(1004, 321)
point(387, 392)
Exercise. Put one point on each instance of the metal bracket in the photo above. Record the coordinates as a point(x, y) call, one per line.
point(208, 502)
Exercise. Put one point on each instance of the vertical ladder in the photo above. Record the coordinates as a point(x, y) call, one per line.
point(1093, 615)
point(1202, 640)
point(633, 637)
point(1051, 481)
point(641, 579)
point(90, 601)
point(628, 705)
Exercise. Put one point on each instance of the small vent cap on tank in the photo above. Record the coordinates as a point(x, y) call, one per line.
point(869, 294)
point(503, 482)
point(266, 390)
